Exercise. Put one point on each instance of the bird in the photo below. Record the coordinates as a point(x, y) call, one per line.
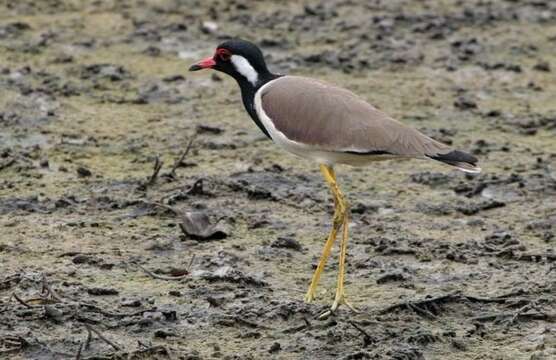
point(329, 125)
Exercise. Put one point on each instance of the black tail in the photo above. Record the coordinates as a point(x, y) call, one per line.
point(462, 160)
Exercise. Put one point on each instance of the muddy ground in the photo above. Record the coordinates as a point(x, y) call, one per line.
point(102, 257)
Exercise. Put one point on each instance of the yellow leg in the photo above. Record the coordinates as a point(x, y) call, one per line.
point(339, 212)
point(340, 293)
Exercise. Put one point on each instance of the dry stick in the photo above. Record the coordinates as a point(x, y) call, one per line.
point(499, 299)
point(191, 262)
point(9, 340)
point(148, 349)
point(520, 311)
point(367, 339)
point(420, 306)
point(421, 303)
point(7, 163)
point(109, 314)
point(140, 343)
point(161, 277)
point(551, 317)
point(182, 157)
point(250, 323)
point(5, 282)
point(21, 301)
point(78, 355)
point(166, 207)
point(49, 290)
point(156, 169)
point(421, 311)
point(89, 338)
point(90, 328)
point(9, 350)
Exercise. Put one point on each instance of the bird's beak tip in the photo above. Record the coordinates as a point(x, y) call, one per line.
point(207, 63)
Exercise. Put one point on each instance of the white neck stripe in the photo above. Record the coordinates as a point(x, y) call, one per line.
point(243, 66)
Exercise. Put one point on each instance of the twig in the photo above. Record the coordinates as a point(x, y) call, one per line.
point(294, 329)
point(530, 315)
point(178, 162)
point(78, 355)
point(536, 257)
point(98, 333)
point(424, 307)
point(109, 314)
point(9, 350)
point(421, 310)
point(191, 263)
point(21, 301)
point(149, 350)
point(499, 299)
point(419, 306)
point(250, 323)
point(142, 344)
point(7, 163)
point(520, 311)
point(89, 338)
point(49, 290)
point(156, 169)
point(162, 277)
point(5, 283)
point(166, 207)
point(367, 339)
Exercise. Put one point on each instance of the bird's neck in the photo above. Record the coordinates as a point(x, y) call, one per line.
point(248, 91)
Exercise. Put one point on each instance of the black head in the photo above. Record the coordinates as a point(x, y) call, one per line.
point(238, 58)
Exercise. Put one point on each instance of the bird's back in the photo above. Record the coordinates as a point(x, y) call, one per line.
point(330, 118)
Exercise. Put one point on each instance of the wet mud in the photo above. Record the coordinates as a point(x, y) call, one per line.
point(144, 216)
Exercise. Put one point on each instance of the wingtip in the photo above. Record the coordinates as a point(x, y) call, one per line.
point(468, 168)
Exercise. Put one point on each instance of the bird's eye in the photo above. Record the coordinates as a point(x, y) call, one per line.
point(224, 54)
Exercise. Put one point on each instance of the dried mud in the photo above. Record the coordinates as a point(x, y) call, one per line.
point(119, 240)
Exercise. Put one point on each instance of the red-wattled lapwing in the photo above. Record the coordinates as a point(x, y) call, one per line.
point(327, 124)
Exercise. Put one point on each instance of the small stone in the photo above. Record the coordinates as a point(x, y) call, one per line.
point(207, 129)
point(391, 277)
point(152, 51)
point(131, 302)
point(459, 344)
point(209, 27)
point(153, 316)
point(164, 333)
point(493, 113)
point(275, 347)
point(363, 206)
point(83, 172)
point(464, 103)
point(287, 243)
point(197, 225)
point(82, 259)
point(53, 313)
point(98, 291)
point(542, 66)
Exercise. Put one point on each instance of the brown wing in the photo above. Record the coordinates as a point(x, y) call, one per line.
point(334, 119)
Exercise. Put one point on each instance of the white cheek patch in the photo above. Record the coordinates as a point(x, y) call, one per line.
point(243, 66)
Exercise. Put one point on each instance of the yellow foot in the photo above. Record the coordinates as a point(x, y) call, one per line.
point(310, 296)
point(340, 300)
